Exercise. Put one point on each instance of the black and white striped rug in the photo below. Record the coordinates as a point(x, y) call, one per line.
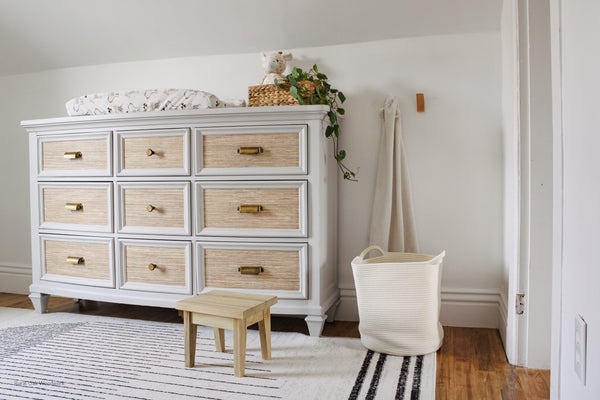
point(72, 356)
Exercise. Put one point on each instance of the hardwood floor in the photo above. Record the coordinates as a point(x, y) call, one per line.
point(470, 365)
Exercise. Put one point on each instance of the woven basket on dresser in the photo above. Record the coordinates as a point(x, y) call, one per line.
point(271, 95)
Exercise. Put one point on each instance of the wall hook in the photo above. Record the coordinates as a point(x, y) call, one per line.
point(420, 102)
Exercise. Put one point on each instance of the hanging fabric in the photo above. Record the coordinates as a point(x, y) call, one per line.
point(392, 221)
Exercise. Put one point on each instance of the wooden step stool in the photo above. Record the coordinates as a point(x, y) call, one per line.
point(227, 310)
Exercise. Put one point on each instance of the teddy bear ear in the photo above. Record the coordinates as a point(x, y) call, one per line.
point(264, 55)
point(287, 56)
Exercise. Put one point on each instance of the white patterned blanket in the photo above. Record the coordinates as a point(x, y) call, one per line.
point(146, 100)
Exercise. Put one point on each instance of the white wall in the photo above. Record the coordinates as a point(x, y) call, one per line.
point(454, 149)
point(576, 32)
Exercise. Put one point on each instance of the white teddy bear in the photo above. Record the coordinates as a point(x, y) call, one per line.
point(274, 65)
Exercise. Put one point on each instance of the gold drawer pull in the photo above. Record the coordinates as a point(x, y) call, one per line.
point(250, 270)
point(250, 150)
point(72, 155)
point(74, 206)
point(250, 208)
point(152, 267)
point(150, 208)
point(150, 152)
point(75, 260)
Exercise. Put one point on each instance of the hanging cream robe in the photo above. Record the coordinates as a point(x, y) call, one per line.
point(392, 220)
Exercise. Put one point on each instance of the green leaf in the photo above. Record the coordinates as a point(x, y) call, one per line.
point(301, 100)
point(334, 90)
point(328, 131)
point(321, 76)
point(336, 130)
point(277, 84)
point(314, 99)
point(332, 117)
point(294, 92)
point(342, 97)
point(292, 81)
point(341, 155)
point(295, 73)
point(315, 68)
point(341, 111)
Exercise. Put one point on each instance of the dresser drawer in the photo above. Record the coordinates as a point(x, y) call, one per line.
point(251, 208)
point(70, 259)
point(153, 152)
point(74, 155)
point(274, 268)
point(76, 206)
point(156, 208)
point(156, 266)
point(255, 150)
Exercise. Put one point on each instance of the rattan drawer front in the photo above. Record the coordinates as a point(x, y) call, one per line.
point(74, 155)
point(80, 207)
point(87, 261)
point(281, 267)
point(154, 208)
point(162, 152)
point(282, 208)
point(272, 150)
point(158, 266)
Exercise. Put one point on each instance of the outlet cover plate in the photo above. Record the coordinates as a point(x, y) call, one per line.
point(580, 347)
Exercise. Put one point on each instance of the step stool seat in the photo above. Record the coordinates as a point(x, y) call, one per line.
point(221, 309)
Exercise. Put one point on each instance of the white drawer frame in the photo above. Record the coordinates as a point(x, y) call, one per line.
point(249, 130)
point(73, 279)
point(76, 227)
point(41, 139)
point(120, 157)
point(302, 248)
point(301, 232)
point(148, 287)
point(185, 230)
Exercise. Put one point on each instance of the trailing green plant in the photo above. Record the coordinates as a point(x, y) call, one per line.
point(323, 94)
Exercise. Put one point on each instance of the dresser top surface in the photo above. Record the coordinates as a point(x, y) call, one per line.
point(238, 114)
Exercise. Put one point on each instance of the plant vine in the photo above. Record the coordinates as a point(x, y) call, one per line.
point(323, 94)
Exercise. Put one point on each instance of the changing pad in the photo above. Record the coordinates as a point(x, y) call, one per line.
point(146, 100)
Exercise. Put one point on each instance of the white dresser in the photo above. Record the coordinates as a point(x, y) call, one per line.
point(151, 208)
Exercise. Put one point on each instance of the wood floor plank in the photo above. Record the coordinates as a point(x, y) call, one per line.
point(471, 364)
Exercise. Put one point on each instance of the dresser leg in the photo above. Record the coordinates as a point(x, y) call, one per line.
point(40, 302)
point(315, 324)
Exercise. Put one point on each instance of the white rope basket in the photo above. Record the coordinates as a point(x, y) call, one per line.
point(398, 297)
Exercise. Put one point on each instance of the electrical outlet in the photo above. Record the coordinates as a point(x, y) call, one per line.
point(580, 347)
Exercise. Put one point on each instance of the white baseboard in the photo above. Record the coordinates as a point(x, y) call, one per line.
point(15, 279)
point(460, 307)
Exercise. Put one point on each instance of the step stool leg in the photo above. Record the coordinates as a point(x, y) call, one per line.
point(264, 327)
point(239, 347)
point(220, 339)
point(189, 337)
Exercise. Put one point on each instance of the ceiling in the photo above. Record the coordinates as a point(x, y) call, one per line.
point(37, 35)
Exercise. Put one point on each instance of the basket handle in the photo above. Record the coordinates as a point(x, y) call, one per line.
point(368, 249)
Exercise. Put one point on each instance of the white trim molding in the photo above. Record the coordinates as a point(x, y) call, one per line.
point(15, 278)
point(473, 308)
